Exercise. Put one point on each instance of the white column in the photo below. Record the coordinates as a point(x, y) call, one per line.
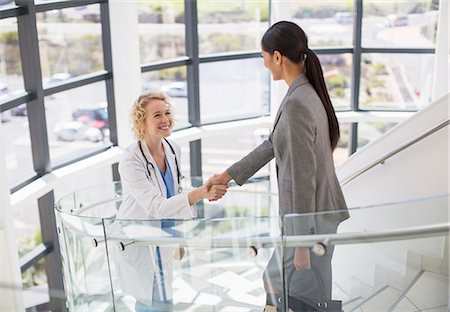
point(280, 11)
point(11, 296)
point(441, 79)
point(126, 63)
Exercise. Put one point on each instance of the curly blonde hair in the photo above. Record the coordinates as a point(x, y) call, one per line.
point(137, 114)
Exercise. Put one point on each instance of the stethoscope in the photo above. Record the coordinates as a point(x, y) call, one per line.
point(148, 163)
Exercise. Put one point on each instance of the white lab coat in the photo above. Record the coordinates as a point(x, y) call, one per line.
point(145, 198)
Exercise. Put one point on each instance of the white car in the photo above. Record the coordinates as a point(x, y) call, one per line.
point(69, 131)
point(175, 89)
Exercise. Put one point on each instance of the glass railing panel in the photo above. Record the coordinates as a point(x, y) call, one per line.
point(221, 267)
point(85, 266)
point(372, 260)
point(375, 256)
point(93, 202)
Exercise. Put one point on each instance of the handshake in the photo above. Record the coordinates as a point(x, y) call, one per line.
point(216, 186)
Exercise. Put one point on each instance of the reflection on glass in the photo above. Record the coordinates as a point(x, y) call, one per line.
point(327, 23)
point(337, 72)
point(340, 154)
point(11, 81)
point(172, 81)
point(399, 23)
point(77, 121)
point(370, 131)
point(16, 145)
point(226, 26)
point(70, 42)
point(396, 81)
point(161, 29)
point(233, 90)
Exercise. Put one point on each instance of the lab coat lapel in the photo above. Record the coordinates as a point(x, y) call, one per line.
point(171, 160)
point(155, 173)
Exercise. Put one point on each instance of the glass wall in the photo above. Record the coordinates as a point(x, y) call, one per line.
point(326, 23)
point(399, 24)
point(231, 26)
point(396, 81)
point(233, 90)
point(161, 29)
point(11, 80)
point(77, 122)
point(220, 152)
point(70, 43)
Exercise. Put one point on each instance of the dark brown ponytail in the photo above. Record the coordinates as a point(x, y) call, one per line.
point(291, 41)
point(315, 76)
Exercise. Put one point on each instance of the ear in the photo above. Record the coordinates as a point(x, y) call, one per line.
point(277, 56)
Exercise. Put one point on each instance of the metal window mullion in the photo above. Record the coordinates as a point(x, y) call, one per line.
point(32, 76)
point(193, 71)
point(108, 64)
point(53, 263)
point(357, 50)
point(193, 77)
point(61, 5)
point(356, 74)
point(14, 12)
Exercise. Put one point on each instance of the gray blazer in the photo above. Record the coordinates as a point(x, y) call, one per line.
point(300, 143)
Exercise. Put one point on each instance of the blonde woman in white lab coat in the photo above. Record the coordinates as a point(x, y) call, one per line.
point(151, 176)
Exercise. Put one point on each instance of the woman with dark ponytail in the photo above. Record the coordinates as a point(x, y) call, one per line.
point(305, 133)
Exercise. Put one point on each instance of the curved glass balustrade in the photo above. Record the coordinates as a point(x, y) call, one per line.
point(384, 257)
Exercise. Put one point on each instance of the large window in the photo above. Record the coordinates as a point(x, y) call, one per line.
point(220, 152)
point(397, 23)
point(396, 81)
point(70, 42)
point(11, 80)
point(231, 26)
point(327, 23)
point(161, 29)
point(233, 90)
point(77, 122)
point(16, 145)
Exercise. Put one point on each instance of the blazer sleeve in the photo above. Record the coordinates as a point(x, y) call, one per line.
point(301, 134)
point(245, 168)
point(148, 195)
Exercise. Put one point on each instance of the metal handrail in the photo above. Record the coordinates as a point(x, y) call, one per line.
point(289, 241)
point(399, 149)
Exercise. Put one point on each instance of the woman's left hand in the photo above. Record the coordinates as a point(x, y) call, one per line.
point(302, 258)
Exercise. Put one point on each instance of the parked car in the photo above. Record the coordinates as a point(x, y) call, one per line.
point(56, 78)
point(394, 20)
point(70, 130)
point(5, 116)
point(20, 110)
point(175, 89)
point(343, 17)
point(95, 117)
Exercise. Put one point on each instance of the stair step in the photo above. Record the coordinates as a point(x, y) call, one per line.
point(431, 291)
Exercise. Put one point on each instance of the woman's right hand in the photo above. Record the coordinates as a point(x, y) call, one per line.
point(214, 191)
point(210, 190)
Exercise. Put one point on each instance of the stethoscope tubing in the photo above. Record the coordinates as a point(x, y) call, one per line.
point(148, 163)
